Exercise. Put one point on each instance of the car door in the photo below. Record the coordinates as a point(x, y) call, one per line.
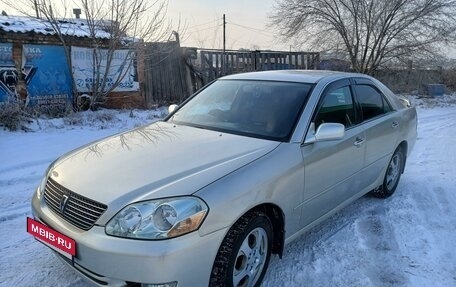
point(381, 125)
point(331, 167)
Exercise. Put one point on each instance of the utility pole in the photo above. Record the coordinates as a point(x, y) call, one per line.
point(224, 34)
point(224, 45)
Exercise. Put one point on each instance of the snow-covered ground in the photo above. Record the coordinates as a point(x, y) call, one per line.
point(406, 240)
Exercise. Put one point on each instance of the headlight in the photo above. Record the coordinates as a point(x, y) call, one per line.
point(158, 219)
point(42, 186)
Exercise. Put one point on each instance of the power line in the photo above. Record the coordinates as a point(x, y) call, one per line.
point(207, 28)
point(256, 30)
point(216, 28)
point(202, 24)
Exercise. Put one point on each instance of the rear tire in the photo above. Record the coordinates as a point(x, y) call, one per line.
point(392, 175)
point(243, 257)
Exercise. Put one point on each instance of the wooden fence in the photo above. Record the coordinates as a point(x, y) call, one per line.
point(166, 77)
point(172, 73)
point(216, 63)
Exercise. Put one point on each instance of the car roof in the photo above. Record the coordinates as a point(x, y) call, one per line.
point(300, 76)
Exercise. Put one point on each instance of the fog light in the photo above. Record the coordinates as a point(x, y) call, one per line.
point(170, 284)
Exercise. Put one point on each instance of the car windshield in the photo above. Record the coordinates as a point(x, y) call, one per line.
point(262, 109)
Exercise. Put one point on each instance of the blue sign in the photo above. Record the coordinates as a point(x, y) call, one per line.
point(8, 73)
point(47, 75)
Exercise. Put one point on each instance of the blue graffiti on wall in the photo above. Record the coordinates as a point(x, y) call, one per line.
point(8, 73)
point(47, 76)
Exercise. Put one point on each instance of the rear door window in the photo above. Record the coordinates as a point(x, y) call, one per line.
point(372, 102)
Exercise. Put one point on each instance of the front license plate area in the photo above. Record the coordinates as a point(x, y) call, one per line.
point(63, 244)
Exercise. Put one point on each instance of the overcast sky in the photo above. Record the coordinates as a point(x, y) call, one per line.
point(246, 23)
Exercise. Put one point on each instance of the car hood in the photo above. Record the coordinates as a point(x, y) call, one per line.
point(155, 161)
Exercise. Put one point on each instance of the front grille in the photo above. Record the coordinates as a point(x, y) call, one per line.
point(78, 210)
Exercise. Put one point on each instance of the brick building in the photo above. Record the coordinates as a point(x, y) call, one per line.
point(29, 46)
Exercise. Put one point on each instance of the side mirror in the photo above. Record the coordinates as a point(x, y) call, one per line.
point(405, 101)
point(327, 132)
point(172, 108)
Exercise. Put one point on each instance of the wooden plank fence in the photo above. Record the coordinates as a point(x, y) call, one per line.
point(216, 63)
point(165, 74)
point(172, 73)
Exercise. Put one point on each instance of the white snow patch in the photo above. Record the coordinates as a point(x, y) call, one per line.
point(69, 27)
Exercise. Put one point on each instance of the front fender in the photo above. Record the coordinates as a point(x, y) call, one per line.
point(277, 178)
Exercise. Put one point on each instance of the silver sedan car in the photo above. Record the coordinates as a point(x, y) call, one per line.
point(231, 176)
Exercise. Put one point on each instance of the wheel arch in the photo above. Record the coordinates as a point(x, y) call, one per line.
point(277, 218)
point(404, 147)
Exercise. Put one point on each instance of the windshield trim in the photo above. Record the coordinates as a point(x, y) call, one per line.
point(233, 132)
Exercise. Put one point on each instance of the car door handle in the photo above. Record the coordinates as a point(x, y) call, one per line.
point(395, 124)
point(359, 141)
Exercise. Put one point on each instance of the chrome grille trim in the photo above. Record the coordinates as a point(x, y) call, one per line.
point(80, 211)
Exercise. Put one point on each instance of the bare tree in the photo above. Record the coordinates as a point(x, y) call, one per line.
point(127, 26)
point(372, 32)
point(116, 31)
point(44, 9)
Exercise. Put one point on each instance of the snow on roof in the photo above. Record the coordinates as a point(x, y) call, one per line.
point(68, 27)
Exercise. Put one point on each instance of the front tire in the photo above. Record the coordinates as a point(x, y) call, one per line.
point(244, 254)
point(392, 175)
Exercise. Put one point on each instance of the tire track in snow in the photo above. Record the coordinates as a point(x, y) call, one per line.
point(376, 236)
point(14, 212)
point(29, 179)
point(319, 257)
point(24, 173)
point(428, 239)
point(25, 165)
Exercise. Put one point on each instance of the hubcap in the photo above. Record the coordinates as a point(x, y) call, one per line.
point(250, 259)
point(392, 174)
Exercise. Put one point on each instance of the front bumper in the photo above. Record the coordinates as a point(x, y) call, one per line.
point(112, 261)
